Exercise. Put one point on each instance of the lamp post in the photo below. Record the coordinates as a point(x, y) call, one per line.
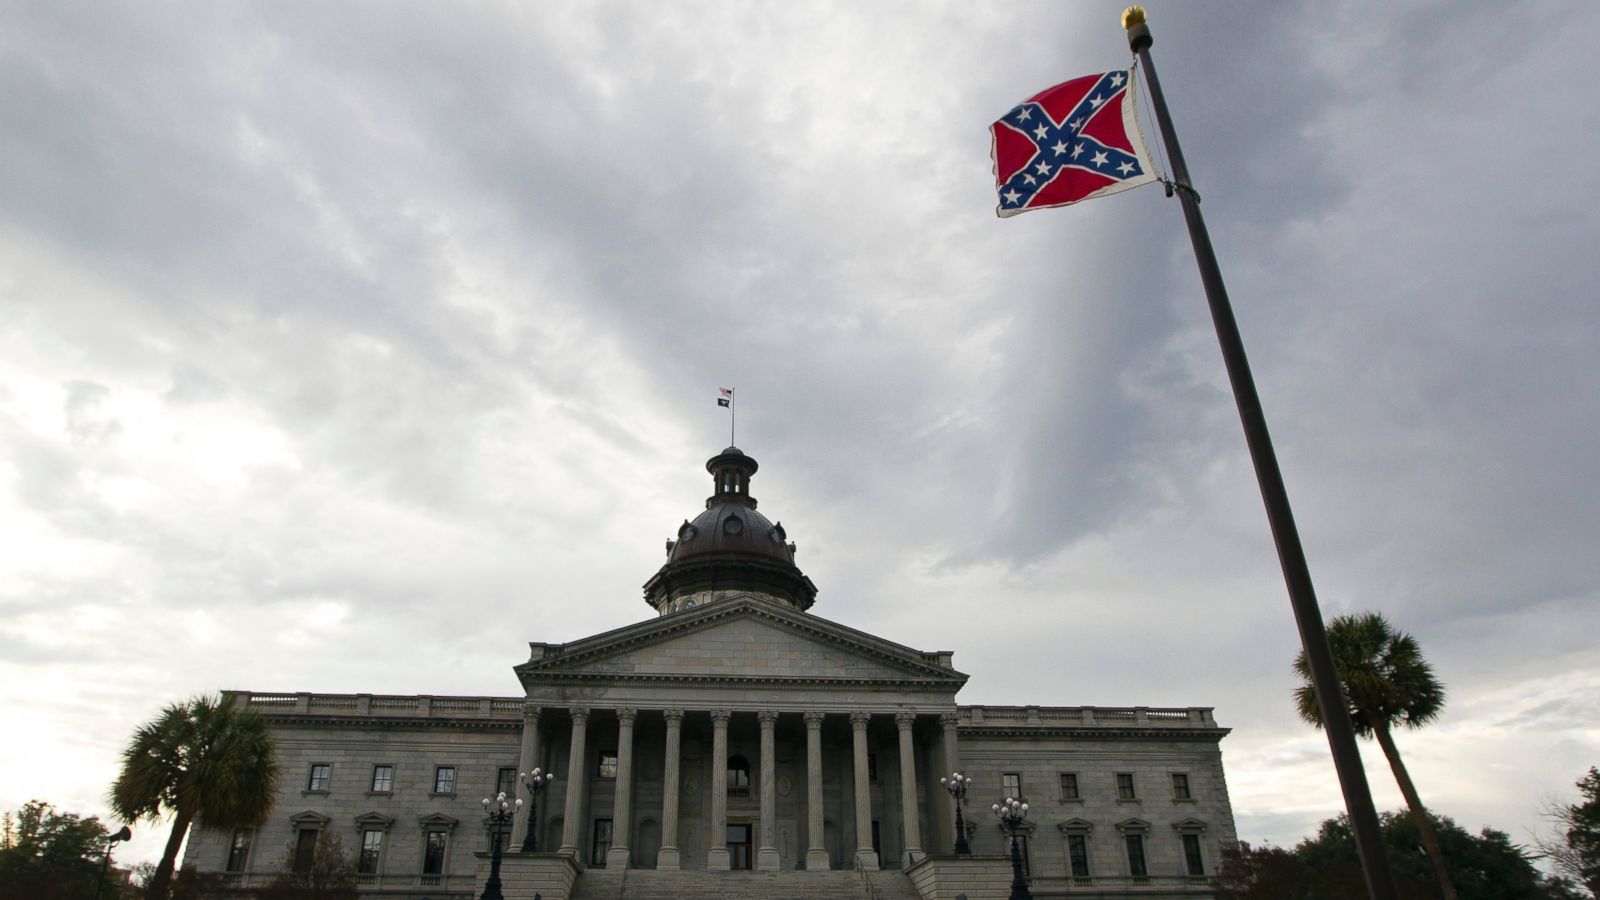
point(534, 781)
point(1010, 814)
point(105, 864)
point(500, 812)
point(957, 785)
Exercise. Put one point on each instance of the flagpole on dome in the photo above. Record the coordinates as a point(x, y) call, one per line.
point(1291, 555)
point(725, 397)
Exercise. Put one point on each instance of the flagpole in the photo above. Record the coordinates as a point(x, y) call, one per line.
point(733, 416)
point(1291, 556)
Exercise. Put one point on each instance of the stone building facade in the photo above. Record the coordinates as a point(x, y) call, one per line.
point(735, 730)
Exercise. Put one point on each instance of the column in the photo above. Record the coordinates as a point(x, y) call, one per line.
point(526, 760)
point(717, 836)
point(668, 857)
point(577, 772)
point(816, 850)
point(866, 857)
point(952, 763)
point(908, 789)
point(767, 851)
point(622, 806)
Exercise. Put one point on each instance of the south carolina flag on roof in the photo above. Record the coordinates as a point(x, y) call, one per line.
point(1077, 140)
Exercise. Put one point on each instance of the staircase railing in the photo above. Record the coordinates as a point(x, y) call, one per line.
point(872, 892)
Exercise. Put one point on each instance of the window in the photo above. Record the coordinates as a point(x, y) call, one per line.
point(505, 782)
point(321, 774)
point(305, 849)
point(607, 767)
point(1180, 786)
point(1078, 854)
point(1011, 785)
point(444, 780)
point(1125, 786)
point(1022, 847)
point(1191, 855)
point(433, 850)
point(371, 852)
point(602, 843)
point(382, 779)
point(738, 777)
point(239, 850)
point(1135, 844)
point(1069, 786)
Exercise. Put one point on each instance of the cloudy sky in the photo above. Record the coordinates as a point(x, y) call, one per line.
point(349, 347)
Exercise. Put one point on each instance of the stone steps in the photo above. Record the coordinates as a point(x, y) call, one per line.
point(653, 884)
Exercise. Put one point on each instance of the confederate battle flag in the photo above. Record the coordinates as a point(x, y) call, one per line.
point(1077, 140)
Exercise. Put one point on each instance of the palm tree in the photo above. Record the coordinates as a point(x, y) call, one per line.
point(202, 758)
point(1386, 682)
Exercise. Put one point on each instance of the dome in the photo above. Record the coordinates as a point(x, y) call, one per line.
point(730, 549)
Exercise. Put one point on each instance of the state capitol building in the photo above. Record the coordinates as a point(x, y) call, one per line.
point(735, 731)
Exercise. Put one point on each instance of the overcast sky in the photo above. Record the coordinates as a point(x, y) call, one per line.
point(349, 347)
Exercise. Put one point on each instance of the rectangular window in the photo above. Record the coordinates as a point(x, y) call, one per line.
point(1136, 866)
point(1191, 854)
point(239, 850)
point(305, 850)
point(1011, 785)
point(1069, 786)
point(444, 780)
point(602, 843)
point(433, 851)
point(505, 782)
point(1027, 858)
point(321, 775)
point(1180, 787)
point(371, 852)
point(1125, 786)
point(607, 767)
point(382, 779)
point(1078, 853)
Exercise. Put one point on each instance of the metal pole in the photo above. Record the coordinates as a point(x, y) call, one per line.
point(1291, 556)
point(1019, 885)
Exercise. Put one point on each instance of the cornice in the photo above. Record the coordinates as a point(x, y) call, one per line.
point(541, 678)
point(1094, 732)
point(347, 721)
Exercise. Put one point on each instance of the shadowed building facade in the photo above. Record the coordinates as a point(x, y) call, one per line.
point(735, 731)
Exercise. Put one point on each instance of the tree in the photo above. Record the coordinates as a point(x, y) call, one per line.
point(330, 874)
point(201, 758)
point(1575, 849)
point(1386, 683)
point(46, 855)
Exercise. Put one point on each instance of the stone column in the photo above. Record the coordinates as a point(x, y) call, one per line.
point(908, 790)
point(668, 857)
point(816, 850)
point(526, 760)
point(717, 836)
point(622, 805)
point(577, 771)
point(767, 851)
point(952, 763)
point(865, 855)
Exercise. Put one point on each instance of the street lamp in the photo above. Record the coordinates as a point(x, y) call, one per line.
point(957, 785)
point(122, 835)
point(534, 781)
point(500, 812)
point(1010, 813)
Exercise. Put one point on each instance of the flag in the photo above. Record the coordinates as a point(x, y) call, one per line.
point(726, 398)
point(1077, 140)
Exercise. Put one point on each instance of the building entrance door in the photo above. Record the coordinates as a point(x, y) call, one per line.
point(739, 845)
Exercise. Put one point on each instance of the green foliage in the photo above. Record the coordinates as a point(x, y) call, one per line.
point(204, 758)
point(1485, 866)
point(1385, 678)
point(51, 856)
point(1575, 849)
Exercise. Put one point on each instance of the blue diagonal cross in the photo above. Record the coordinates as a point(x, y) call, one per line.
point(1060, 145)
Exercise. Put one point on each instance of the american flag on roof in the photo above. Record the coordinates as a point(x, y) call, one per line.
point(1077, 140)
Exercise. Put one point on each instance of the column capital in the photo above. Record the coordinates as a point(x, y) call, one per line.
point(530, 712)
point(672, 715)
point(579, 713)
point(720, 716)
point(859, 719)
point(949, 719)
point(767, 718)
point(904, 719)
point(626, 715)
point(814, 719)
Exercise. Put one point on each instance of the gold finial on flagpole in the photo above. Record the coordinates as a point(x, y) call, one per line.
point(1133, 15)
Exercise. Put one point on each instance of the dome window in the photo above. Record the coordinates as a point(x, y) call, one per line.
point(733, 525)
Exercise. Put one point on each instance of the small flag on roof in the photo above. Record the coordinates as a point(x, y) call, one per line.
point(726, 396)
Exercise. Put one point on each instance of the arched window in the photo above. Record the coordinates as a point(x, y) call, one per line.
point(738, 776)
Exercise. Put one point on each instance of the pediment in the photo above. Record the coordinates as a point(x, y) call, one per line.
point(309, 819)
point(739, 639)
point(1076, 826)
point(1134, 824)
point(438, 820)
point(374, 819)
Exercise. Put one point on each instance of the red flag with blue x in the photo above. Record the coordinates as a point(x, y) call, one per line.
point(1077, 140)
